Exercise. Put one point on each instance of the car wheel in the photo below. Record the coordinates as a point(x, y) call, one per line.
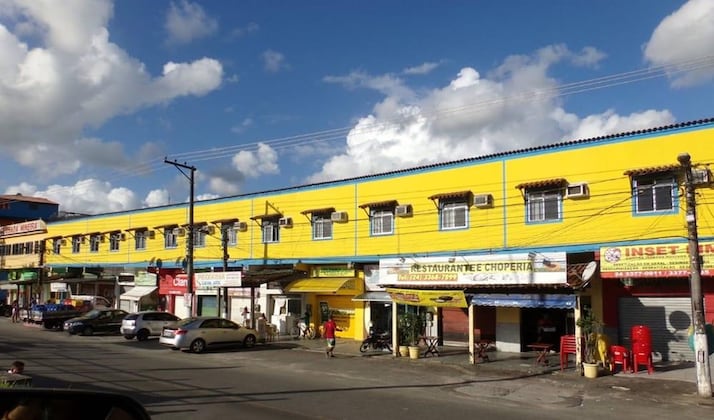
point(249, 341)
point(197, 346)
point(129, 337)
point(142, 335)
point(87, 331)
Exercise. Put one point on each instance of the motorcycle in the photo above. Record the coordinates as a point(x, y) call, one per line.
point(377, 341)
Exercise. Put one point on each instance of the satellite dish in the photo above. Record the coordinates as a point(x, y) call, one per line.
point(589, 271)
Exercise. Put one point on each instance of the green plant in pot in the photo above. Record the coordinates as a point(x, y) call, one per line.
point(590, 327)
point(410, 327)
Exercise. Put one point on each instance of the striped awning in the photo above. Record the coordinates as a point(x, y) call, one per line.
point(651, 170)
point(554, 182)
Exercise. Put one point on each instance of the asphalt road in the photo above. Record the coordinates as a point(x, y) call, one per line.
point(282, 381)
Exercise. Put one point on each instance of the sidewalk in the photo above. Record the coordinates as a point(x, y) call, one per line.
point(669, 380)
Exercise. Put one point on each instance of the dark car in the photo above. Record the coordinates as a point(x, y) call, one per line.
point(106, 321)
point(5, 310)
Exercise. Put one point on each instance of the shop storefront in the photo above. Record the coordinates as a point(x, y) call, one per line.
point(377, 302)
point(649, 285)
point(143, 296)
point(329, 291)
point(172, 291)
point(504, 294)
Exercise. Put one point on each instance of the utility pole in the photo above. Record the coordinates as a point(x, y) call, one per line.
point(189, 245)
point(224, 243)
point(704, 385)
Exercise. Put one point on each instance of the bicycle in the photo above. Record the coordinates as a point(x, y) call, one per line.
point(299, 330)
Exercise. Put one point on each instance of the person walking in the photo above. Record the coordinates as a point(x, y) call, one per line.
point(15, 311)
point(330, 328)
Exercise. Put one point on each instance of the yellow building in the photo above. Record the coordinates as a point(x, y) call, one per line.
point(496, 244)
point(21, 261)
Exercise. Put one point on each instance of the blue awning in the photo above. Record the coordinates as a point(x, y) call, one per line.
point(517, 300)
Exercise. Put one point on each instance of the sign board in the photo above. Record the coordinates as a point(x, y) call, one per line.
point(658, 260)
point(212, 280)
point(328, 271)
point(144, 278)
point(58, 287)
point(548, 268)
point(440, 298)
point(24, 227)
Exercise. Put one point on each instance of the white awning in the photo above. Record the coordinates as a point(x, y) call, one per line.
point(137, 292)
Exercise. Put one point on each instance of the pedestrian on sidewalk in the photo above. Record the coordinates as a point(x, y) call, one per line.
point(330, 328)
point(15, 311)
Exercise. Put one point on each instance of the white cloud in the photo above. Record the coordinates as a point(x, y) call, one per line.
point(223, 186)
point(206, 196)
point(245, 30)
point(683, 36)
point(424, 68)
point(386, 84)
point(253, 164)
point(588, 57)
point(73, 78)
point(273, 61)
point(239, 128)
point(89, 196)
point(157, 198)
point(188, 21)
point(516, 106)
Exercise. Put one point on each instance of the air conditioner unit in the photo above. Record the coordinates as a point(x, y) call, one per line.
point(286, 222)
point(209, 230)
point(483, 200)
point(179, 231)
point(404, 210)
point(63, 242)
point(241, 226)
point(151, 234)
point(701, 177)
point(579, 190)
point(339, 216)
point(122, 236)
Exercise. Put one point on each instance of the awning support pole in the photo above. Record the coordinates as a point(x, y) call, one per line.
point(472, 341)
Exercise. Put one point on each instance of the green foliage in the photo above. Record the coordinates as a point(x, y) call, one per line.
point(410, 327)
point(590, 327)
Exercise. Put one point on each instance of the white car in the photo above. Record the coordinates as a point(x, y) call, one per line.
point(144, 324)
point(196, 334)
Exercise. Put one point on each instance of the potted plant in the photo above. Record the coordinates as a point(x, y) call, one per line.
point(590, 328)
point(410, 328)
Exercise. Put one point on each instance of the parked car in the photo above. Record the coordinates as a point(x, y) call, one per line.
point(106, 321)
point(147, 323)
point(196, 334)
point(5, 310)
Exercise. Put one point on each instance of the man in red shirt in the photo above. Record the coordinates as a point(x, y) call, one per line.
point(330, 327)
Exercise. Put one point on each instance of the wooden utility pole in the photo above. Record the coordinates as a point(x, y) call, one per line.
point(704, 385)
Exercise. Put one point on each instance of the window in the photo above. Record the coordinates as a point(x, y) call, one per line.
point(170, 237)
point(199, 236)
point(114, 239)
point(94, 241)
point(76, 244)
point(381, 221)
point(140, 239)
point(321, 226)
point(56, 245)
point(230, 233)
point(544, 204)
point(454, 214)
point(271, 231)
point(654, 192)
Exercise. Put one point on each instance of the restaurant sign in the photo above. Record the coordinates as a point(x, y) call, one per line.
point(476, 270)
point(440, 298)
point(648, 261)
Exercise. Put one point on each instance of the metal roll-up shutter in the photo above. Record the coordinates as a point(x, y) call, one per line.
point(668, 318)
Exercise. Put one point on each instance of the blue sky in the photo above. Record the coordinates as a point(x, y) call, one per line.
point(265, 94)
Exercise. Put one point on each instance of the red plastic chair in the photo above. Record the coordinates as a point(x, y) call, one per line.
point(619, 356)
point(567, 346)
point(642, 356)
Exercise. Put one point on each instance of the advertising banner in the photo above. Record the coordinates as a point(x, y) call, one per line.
point(650, 261)
point(441, 298)
point(536, 268)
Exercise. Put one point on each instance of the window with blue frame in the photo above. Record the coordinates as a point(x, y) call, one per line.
point(653, 193)
point(321, 226)
point(544, 205)
point(453, 209)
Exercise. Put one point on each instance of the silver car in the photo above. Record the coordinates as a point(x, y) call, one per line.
point(146, 323)
point(196, 334)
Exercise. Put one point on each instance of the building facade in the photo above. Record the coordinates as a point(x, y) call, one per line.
point(494, 245)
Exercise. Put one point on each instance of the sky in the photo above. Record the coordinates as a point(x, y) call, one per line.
point(260, 94)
